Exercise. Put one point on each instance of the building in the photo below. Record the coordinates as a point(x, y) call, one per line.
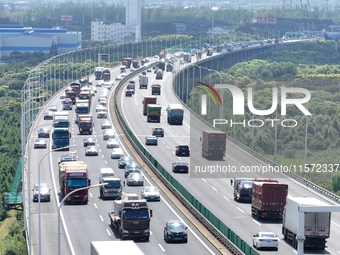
point(118, 32)
point(27, 39)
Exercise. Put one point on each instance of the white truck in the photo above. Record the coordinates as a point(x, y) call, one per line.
point(143, 82)
point(316, 226)
point(115, 247)
point(187, 57)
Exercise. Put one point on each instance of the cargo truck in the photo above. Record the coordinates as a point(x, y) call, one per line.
point(268, 200)
point(71, 94)
point(136, 63)
point(67, 104)
point(187, 57)
point(85, 95)
point(76, 87)
point(74, 175)
point(153, 113)
point(219, 48)
point(143, 82)
point(199, 54)
point(61, 120)
point(61, 138)
point(127, 62)
point(161, 64)
point(155, 89)
point(148, 100)
point(131, 218)
point(175, 114)
point(85, 124)
point(169, 67)
point(316, 226)
point(213, 144)
point(98, 73)
point(210, 51)
point(106, 74)
point(82, 107)
point(115, 247)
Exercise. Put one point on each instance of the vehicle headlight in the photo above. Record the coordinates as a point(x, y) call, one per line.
point(125, 231)
point(146, 231)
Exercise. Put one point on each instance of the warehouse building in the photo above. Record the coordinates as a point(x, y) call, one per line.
point(28, 39)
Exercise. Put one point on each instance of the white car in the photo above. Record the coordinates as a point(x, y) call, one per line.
point(100, 107)
point(117, 153)
point(150, 193)
point(123, 74)
point(102, 114)
point(118, 78)
point(62, 96)
point(103, 101)
point(112, 143)
point(265, 240)
point(151, 140)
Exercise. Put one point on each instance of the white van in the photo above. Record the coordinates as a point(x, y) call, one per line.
point(106, 172)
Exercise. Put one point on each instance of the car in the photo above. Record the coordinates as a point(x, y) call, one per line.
point(100, 107)
point(89, 141)
point(53, 108)
point(94, 89)
point(48, 115)
point(91, 150)
point(143, 73)
point(150, 193)
point(132, 167)
point(112, 143)
point(40, 143)
point(109, 133)
point(158, 132)
point(107, 85)
point(103, 101)
point(151, 140)
point(70, 156)
point(117, 153)
point(154, 68)
point(62, 96)
point(180, 167)
point(101, 114)
point(102, 96)
point(106, 124)
point(175, 231)
point(123, 74)
point(44, 190)
point(123, 161)
point(43, 132)
point(149, 70)
point(67, 104)
point(132, 69)
point(156, 56)
point(118, 78)
point(135, 179)
point(265, 240)
point(99, 83)
point(182, 150)
point(129, 93)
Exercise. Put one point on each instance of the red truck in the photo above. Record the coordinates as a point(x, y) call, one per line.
point(127, 62)
point(85, 124)
point(213, 144)
point(148, 100)
point(268, 200)
point(74, 175)
point(69, 93)
point(76, 87)
point(106, 74)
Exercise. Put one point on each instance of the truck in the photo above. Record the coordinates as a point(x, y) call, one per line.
point(213, 144)
point(76, 87)
point(187, 57)
point(169, 67)
point(98, 73)
point(155, 89)
point(148, 100)
point(175, 114)
point(113, 188)
point(85, 124)
point(210, 51)
point(159, 74)
point(199, 54)
point(153, 113)
point(106, 74)
point(161, 64)
point(230, 47)
point(127, 62)
point(81, 109)
point(71, 94)
point(131, 218)
point(61, 138)
point(119, 247)
point(74, 175)
point(61, 119)
point(161, 54)
point(136, 63)
point(316, 226)
point(85, 95)
point(122, 69)
point(67, 104)
point(268, 200)
point(143, 82)
point(219, 48)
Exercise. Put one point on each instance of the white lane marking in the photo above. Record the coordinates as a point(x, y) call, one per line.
point(295, 251)
point(203, 180)
point(258, 223)
point(226, 198)
point(336, 224)
point(240, 209)
point(160, 246)
point(214, 188)
point(101, 218)
point(95, 205)
point(108, 232)
point(90, 194)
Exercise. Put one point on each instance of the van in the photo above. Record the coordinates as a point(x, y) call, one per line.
point(106, 172)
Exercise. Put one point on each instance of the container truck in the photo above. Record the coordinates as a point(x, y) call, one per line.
point(85, 95)
point(155, 89)
point(115, 247)
point(61, 138)
point(67, 104)
point(210, 51)
point(82, 107)
point(85, 124)
point(143, 82)
point(136, 63)
point(127, 62)
point(161, 64)
point(98, 73)
point(187, 57)
point(159, 74)
point(76, 87)
point(199, 54)
point(169, 67)
point(175, 114)
point(213, 144)
point(153, 113)
point(106, 74)
point(131, 218)
point(74, 175)
point(268, 200)
point(61, 119)
point(316, 226)
point(230, 47)
point(148, 100)
point(71, 94)
point(219, 48)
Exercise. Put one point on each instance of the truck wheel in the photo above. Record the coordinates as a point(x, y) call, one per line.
point(147, 238)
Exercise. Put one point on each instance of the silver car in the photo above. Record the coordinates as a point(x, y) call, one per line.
point(135, 179)
point(112, 143)
point(150, 193)
point(44, 190)
point(117, 153)
point(109, 133)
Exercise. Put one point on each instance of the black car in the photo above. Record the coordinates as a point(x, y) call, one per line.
point(131, 168)
point(175, 231)
point(89, 141)
point(48, 115)
point(43, 132)
point(71, 156)
point(180, 167)
point(182, 150)
point(123, 161)
point(158, 132)
point(129, 92)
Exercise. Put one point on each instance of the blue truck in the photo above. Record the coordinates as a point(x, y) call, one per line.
point(175, 114)
point(61, 138)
